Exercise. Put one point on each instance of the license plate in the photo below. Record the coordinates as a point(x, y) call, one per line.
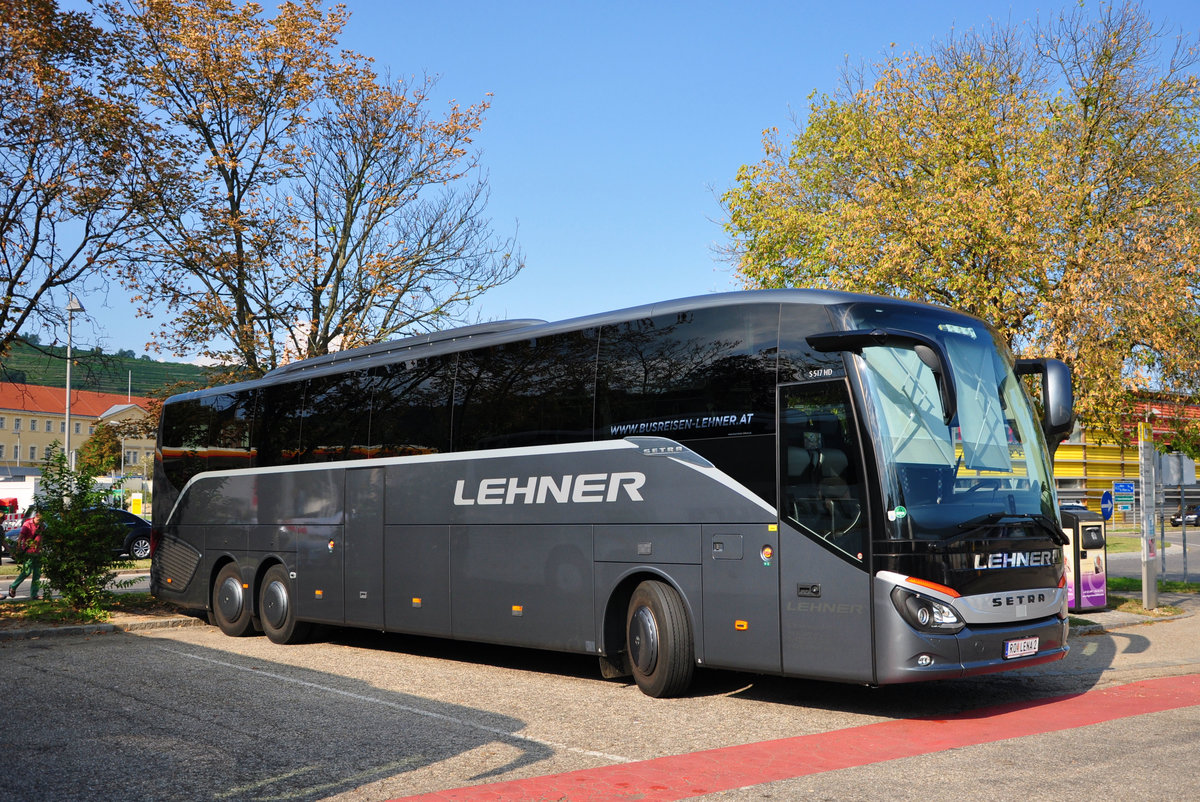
point(1020, 648)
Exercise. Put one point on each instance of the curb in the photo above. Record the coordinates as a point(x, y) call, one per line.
point(33, 633)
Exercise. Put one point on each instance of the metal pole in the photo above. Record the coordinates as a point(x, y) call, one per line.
point(73, 306)
point(1162, 543)
point(1183, 527)
point(67, 443)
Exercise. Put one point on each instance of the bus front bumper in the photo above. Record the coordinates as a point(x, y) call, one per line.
point(905, 655)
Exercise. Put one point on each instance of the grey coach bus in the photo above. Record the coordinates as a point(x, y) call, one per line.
point(797, 482)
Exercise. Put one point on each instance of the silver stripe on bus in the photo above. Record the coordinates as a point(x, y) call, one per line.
point(660, 446)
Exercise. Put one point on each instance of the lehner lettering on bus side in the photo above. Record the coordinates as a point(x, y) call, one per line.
point(569, 489)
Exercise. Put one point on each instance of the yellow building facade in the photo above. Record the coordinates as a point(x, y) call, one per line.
point(33, 418)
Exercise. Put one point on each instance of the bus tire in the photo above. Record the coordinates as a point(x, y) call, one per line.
point(277, 608)
point(658, 640)
point(231, 602)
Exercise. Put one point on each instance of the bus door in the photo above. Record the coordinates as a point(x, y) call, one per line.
point(825, 587)
point(308, 506)
point(363, 549)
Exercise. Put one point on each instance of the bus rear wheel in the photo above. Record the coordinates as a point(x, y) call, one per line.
point(277, 610)
point(658, 638)
point(231, 603)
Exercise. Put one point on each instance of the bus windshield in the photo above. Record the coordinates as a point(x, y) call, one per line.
point(988, 463)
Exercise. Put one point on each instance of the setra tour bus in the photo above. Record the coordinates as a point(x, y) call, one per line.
point(797, 482)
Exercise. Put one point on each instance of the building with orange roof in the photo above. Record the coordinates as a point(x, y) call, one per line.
point(33, 418)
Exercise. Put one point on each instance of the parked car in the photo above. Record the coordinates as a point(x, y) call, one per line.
point(137, 536)
point(137, 539)
point(1191, 517)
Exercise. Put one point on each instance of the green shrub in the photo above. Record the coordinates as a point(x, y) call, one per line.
point(80, 541)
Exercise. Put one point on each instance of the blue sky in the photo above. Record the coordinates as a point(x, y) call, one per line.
point(614, 127)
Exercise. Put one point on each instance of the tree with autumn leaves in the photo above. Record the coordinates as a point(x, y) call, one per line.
point(1045, 178)
point(300, 203)
point(67, 138)
point(270, 192)
point(101, 452)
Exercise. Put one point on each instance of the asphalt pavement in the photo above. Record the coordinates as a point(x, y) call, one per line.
point(188, 713)
point(176, 709)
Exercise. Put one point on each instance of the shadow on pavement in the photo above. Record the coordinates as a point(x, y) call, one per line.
point(125, 717)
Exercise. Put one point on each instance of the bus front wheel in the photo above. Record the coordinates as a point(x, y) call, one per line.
point(658, 638)
point(277, 609)
point(231, 607)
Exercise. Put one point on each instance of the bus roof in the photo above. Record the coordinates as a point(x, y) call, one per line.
point(502, 331)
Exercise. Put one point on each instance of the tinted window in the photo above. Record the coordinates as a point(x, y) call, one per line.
point(183, 447)
point(411, 407)
point(185, 425)
point(335, 419)
point(231, 429)
point(532, 392)
point(707, 373)
point(283, 411)
point(797, 361)
point(823, 492)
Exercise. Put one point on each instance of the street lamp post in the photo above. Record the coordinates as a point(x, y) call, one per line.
point(72, 307)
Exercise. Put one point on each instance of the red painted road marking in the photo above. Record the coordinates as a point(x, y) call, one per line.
point(683, 776)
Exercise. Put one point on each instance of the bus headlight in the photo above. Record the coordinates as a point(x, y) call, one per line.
point(926, 614)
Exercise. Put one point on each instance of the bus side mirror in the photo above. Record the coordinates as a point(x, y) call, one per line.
point(1058, 398)
point(928, 350)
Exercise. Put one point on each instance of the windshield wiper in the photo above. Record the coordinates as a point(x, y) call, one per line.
point(1045, 522)
point(1050, 527)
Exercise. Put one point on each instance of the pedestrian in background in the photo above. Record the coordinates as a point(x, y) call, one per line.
point(28, 551)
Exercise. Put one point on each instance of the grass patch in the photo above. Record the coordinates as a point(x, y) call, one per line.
point(10, 569)
point(1128, 584)
point(55, 612)
point(1120, 544)
point(1126, 605)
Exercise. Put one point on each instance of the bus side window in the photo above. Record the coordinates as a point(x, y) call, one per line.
point(183, 443)
point(410, 408)
point(823, 492)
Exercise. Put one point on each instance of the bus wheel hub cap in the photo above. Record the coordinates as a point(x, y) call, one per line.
point(643, 640)
point(275, 605)
point(229, 599)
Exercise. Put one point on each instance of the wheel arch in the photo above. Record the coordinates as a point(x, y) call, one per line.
point(217, 566)
point(260, 571)
point(612, 630)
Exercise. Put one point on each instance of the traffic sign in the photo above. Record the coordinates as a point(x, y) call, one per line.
point(1123, 495)
point(1106, 504)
